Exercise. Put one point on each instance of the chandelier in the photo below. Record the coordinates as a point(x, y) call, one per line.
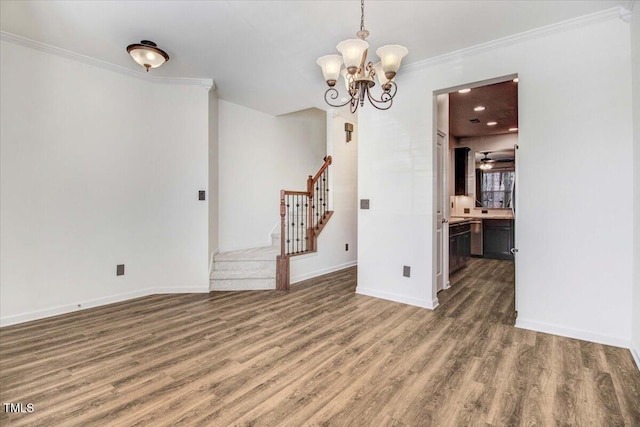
point(359, 74)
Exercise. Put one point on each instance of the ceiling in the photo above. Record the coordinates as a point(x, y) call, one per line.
point(500, 101)
point(262, 54)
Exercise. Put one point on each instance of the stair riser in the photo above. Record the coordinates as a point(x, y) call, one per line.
point(242, 284)
point(243, 265)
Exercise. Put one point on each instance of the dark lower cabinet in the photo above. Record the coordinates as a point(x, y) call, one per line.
point(497, 237)
point(459, 246)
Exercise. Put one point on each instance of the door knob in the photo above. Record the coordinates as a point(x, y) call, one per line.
point(513, 251)
point(444, 220)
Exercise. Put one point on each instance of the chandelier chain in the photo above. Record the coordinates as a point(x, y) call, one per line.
point(361, 15)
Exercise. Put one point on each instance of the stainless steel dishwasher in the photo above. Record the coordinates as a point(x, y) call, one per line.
point(476, 237)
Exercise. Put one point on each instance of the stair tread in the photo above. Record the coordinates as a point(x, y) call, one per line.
point(266, 253)
point(243, 274)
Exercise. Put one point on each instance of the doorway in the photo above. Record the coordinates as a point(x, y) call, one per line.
point(475, 198)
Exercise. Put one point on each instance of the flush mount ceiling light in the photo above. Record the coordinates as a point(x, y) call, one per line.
point(147, 54)
point(479, 108)
point(467, 90)
point(492, 123)
point(359, 74)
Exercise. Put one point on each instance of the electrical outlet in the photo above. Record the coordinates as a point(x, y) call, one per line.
point(485, 211)
point(364, 203)
point(120, 270)
point(406, 271)
point(346, 246)
point(201, 195)
point(467, 210)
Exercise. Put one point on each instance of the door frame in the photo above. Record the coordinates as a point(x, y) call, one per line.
point(445, 171)
point(444, 260)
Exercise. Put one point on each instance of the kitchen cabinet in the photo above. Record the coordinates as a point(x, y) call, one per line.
point(498, 238)
point(459, 246)
point(460, 170)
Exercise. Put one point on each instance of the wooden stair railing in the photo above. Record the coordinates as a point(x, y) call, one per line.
point(303, 215)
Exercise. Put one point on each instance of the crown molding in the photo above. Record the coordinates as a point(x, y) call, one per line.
point(625, 14)
point(605, 15)
point(43, 47)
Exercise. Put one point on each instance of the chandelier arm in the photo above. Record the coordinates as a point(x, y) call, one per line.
point(391, 90)
point(332, 93)
point(385, 102)
point(354, 105)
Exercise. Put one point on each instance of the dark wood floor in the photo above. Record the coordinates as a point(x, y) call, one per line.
point(318, 355)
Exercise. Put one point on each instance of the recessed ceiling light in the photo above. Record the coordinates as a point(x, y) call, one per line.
point(467, 90)
point(492, 123)
point(515, 80)
point(479, 108)
point(513, 129)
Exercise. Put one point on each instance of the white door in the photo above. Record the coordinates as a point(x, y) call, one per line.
point(442, 229)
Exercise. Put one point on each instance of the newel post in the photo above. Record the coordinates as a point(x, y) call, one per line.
point(311, 241)
point(282, 260)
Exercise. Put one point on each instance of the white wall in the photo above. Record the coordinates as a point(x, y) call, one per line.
point(635, 46)
point(97, 169)
point(342, 227)
point(212, 196)
point(574, 269)
point(259, 155)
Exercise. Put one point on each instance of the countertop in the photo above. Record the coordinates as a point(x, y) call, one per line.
point(463, 218)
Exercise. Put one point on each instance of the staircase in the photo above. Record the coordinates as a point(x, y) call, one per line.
point(303, 215)
point(245, 270)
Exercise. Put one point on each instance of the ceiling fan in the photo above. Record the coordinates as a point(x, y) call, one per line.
point(500, 156)
point(486, 163)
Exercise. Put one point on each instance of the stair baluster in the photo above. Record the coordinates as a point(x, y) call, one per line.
point(296, 207)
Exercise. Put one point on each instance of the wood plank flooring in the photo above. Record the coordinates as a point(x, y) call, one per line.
point(319, 355)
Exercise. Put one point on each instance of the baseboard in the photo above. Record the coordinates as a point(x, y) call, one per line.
point(83, 305)
point(322, 271)
point(181, 290)
point(572, 333)
point(636, 355)
point(397, 298)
